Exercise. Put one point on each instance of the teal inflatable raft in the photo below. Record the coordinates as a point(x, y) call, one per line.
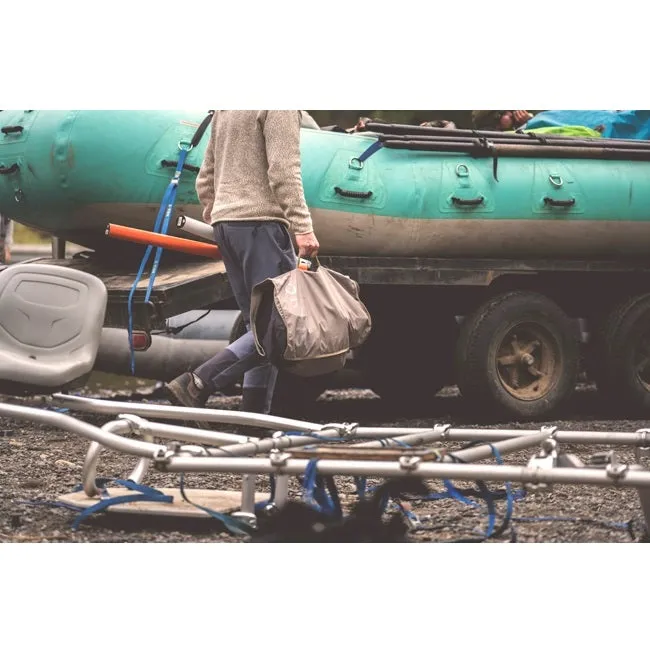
point(390, 191)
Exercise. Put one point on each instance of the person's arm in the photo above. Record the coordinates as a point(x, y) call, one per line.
point(521, 117)
point(205, 179)
point(308, 122)
point(282, 137)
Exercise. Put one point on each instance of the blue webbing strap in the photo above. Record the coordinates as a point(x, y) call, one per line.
point(144, 494)
point(360, 483)
point(161, 226)
point(372, 149)
point(233, 525)
point(509, 497)
point(320, 495)
point(173, 191)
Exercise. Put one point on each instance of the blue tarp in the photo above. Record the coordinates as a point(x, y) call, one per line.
point(628, 125)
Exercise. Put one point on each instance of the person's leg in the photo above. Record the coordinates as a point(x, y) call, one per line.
point(252, 252)
point(259, 382)
point(266, 251)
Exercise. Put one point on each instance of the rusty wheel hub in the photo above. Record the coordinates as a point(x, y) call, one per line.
point(528, 361)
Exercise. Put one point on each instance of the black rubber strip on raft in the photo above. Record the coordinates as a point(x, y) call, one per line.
point(520, 151)
point(404, 129)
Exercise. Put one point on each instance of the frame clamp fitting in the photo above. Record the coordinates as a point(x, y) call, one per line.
point(545, 459)
point(642, 450)
point(409, 463)
point(139, 426)
point(443, 430)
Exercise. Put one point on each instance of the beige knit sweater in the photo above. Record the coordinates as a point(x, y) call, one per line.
point(251, 170)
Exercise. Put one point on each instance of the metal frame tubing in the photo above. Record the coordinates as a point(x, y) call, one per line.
point(89, 470)
point(445, 433)
point(186, 434)
point(72, 425)
point(634, 477)
point(91, 405)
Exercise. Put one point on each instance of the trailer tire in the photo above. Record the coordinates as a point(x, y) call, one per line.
point(622, 354)
point(518, 354)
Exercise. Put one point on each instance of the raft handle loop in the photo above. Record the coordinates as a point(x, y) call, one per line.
point(462, 170)
point(478, 201)
point(556, 180)
point(174, 163)
point(5, 171)
point(185, 146)
point(559, 204)
point(351, 194)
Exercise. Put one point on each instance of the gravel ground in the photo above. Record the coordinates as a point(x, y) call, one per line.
point(38, 463)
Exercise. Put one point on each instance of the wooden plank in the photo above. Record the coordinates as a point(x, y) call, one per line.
point(351, 453)
point(222, 501)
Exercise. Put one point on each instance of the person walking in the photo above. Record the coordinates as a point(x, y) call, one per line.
point(250, 188)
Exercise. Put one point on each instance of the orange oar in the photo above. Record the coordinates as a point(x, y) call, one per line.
point(164, 241)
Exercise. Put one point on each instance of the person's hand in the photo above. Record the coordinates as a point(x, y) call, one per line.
point(308, 245)
point(521, 117)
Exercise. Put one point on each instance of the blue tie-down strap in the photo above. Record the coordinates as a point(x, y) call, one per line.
point(231, 524)
point(320, 493)
point(371, 150)
point(143, 493)
point(361, 484)
point(161, 226)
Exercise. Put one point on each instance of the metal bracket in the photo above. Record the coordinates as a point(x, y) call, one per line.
point(609, 460)
point(614, 469)
point(643, 448)
point(138, 425)
point(409, 463)
point(546, 458)
point(247, 518)
point(443, 430)
point(278, 458)
point(161, 458)
point(344, 429)
point(551, 431)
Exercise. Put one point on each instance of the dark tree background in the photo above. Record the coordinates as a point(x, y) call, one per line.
point(346, 119)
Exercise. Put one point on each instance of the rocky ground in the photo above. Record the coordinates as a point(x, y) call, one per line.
point(40, 464)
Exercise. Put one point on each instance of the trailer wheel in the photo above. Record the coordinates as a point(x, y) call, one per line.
point(518, 353)
point(622, 353)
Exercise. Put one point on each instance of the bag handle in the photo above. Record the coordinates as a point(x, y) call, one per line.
point(312, 264)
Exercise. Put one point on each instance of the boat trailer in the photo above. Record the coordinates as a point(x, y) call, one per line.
point(50, 327)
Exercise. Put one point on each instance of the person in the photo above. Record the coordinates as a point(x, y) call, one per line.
point(250, 188)
point(500, 120)
point(440, 124)
point(308, 122)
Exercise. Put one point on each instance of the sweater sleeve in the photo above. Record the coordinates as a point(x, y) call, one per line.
point(282, 138)
point(205, 178)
